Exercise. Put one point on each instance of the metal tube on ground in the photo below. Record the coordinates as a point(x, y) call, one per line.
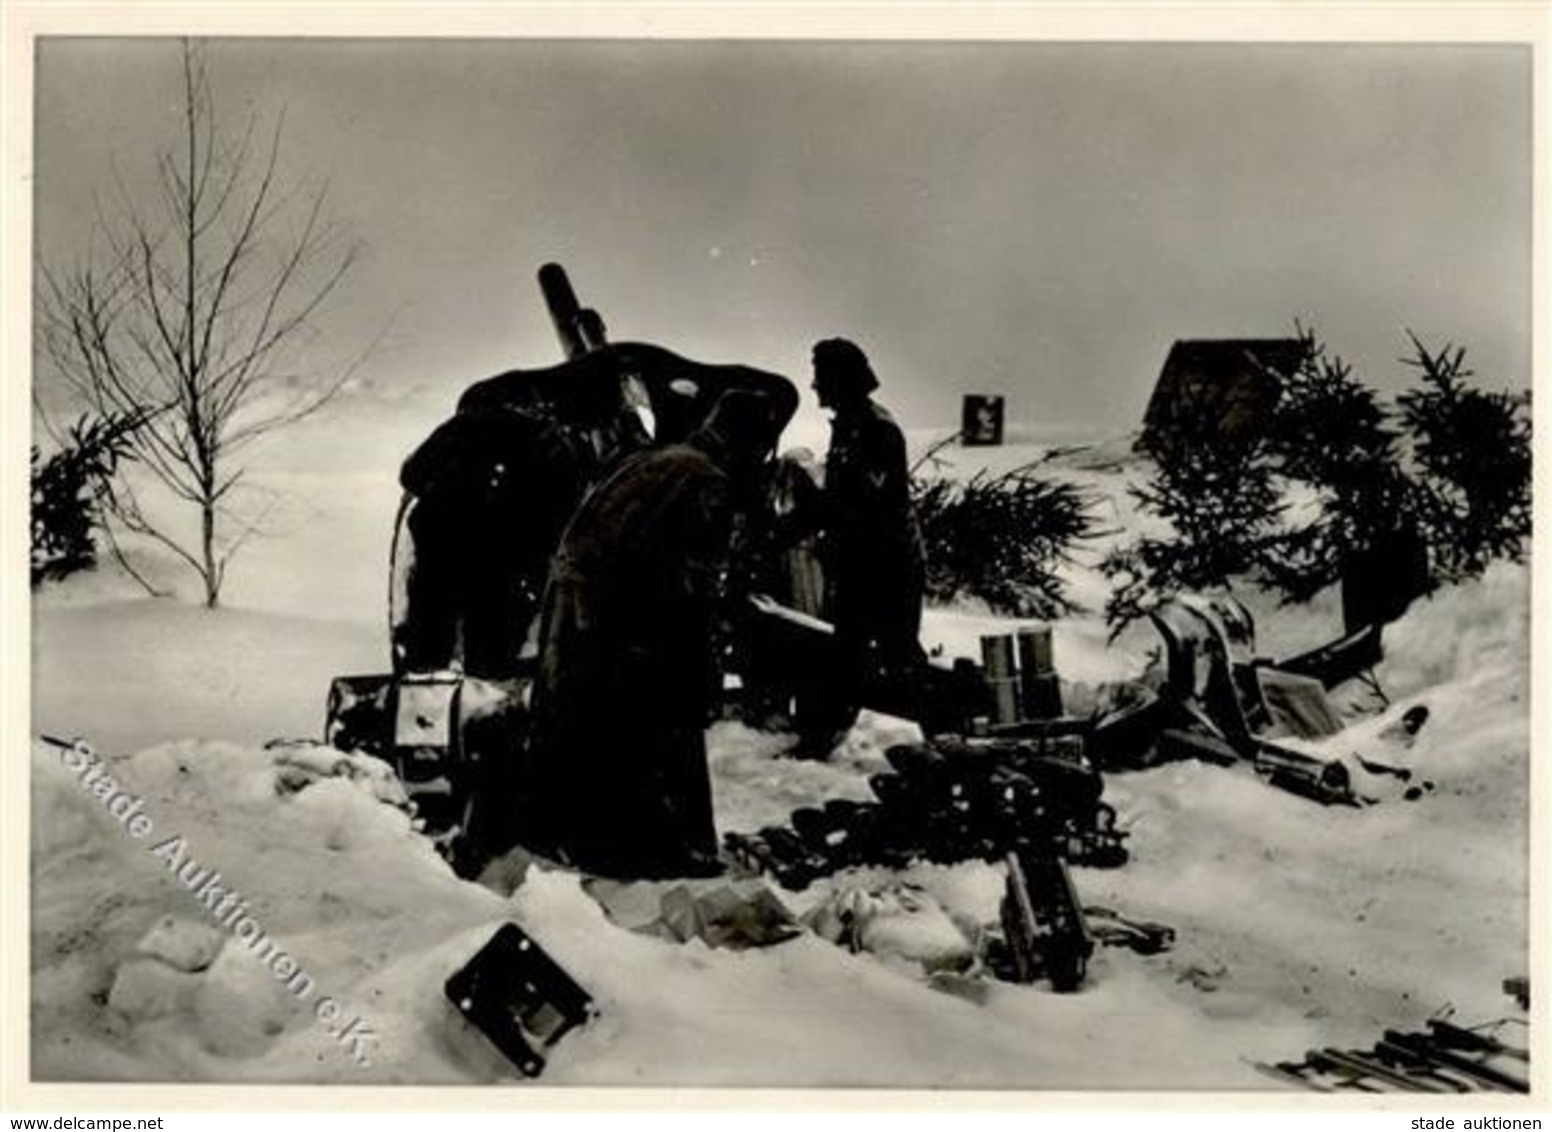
point(1040, 689)
point(997, 655)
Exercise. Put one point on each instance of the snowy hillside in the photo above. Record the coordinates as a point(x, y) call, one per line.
point(1296, 925)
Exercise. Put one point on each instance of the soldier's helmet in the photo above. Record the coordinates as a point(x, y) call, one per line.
point(840, 366)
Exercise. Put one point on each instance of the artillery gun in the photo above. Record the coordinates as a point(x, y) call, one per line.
point(455, 725)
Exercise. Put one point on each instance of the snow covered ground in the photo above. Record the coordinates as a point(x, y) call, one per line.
point(1297, 925)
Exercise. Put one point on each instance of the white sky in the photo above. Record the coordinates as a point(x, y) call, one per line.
point(1038, 220)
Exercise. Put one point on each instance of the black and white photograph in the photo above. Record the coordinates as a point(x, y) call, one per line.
point(779, 561)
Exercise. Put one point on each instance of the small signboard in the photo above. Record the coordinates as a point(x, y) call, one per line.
point(981, 422)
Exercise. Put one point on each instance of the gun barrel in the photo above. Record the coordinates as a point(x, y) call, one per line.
point(589, 326)
point(579, 330)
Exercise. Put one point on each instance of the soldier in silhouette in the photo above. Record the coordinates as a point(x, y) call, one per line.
point(870, 547)
point(628, 665)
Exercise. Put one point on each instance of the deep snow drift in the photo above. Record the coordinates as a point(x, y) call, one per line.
point(1297, 925)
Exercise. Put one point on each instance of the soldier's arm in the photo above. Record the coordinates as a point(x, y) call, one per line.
point(885, 475)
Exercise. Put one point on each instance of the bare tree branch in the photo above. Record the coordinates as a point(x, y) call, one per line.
point(124, 564)
point(192, 311)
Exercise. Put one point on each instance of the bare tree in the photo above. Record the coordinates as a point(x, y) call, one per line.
point(192, 312)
